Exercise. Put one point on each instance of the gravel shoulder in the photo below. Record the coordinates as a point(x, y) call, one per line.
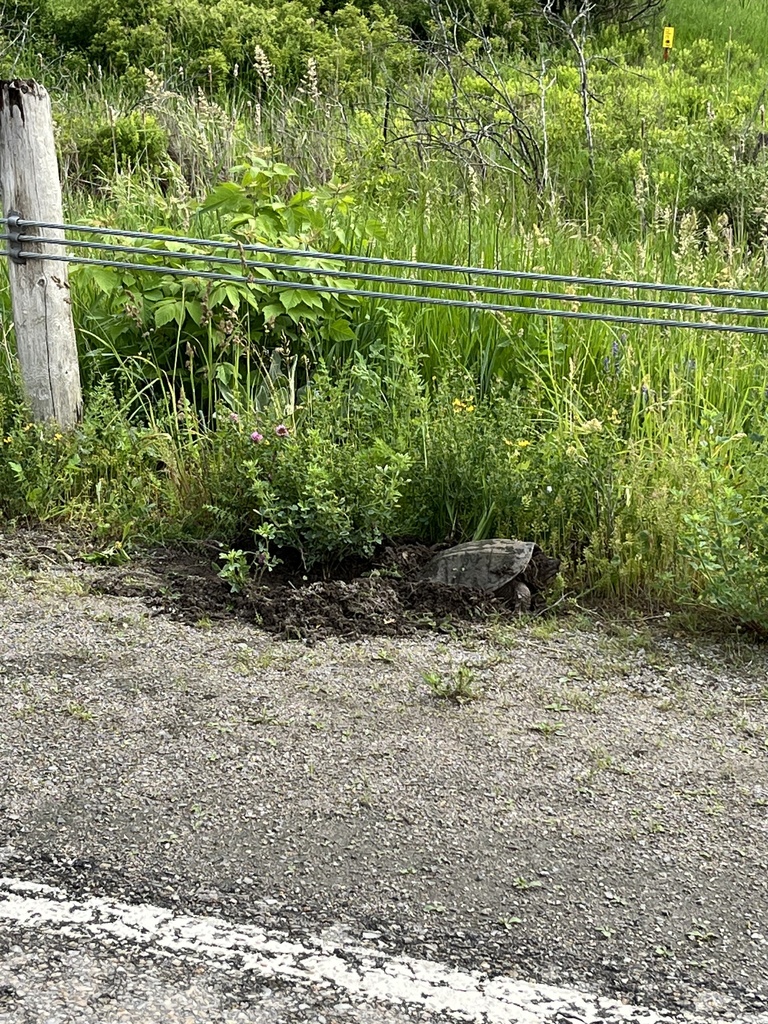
point(597, 817)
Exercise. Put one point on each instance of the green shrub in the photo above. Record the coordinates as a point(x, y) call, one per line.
point(215, 340)
point(95, 151)
point(262, 44)
point(326, 483)
point(724, 536)
point(504, 467)
point(107, 473)
point(729, 186)
point(472, 482)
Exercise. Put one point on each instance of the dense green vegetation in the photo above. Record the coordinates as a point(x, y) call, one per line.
point(323, 424)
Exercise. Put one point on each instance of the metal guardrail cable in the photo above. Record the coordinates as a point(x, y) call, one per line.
point(413, 282)
point(384, 261)
point(428, 300)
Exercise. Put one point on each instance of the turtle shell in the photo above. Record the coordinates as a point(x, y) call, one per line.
point(489, 565)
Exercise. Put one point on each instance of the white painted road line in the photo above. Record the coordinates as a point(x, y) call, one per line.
point(333, 959)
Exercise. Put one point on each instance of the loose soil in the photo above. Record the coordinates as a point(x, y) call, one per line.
point(381, 597)
point(597, 816)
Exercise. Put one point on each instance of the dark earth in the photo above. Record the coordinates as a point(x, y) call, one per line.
point(381, 597)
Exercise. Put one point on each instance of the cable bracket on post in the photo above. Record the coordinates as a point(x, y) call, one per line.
point(15, 251)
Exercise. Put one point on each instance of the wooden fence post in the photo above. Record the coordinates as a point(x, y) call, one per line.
point(42, 312)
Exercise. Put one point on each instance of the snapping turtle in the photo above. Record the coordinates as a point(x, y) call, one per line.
point(514, 570)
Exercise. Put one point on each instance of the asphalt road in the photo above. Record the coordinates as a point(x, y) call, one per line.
point(96, 959)
point(235, 828)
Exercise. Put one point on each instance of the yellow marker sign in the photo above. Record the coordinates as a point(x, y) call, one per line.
point(669, 37)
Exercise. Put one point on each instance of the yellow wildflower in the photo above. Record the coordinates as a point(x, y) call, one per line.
point(459, 405)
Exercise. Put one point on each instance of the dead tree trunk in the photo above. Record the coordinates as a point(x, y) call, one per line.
point(42, 313)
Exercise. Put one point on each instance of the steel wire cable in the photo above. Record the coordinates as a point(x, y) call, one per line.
point(414, 282)
point(385, 261)
point(400, 297)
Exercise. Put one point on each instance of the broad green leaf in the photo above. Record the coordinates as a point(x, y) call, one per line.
point(302, 312)
point(340, 330)
point(169, 247)
point(291, 297)
point(262, 272)
point(240, 220)
point(254, 295)
point(375, 229)
point(272, 311)
point(226, 196)
point(105, 279)
point(313, 300)
point(217, 296)
point(168, 311)
point(268, 224)
point(195, 310)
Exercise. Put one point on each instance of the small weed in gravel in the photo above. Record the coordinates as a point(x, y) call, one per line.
point(507, 923)
point(548, 728)
point(459, 688)
point(386, 654)
point(579, 699)
point(526, 883)
point(545, 629)
point(79, 711)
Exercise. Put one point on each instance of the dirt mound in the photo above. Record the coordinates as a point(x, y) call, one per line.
point(383, 597)
point(372, 605)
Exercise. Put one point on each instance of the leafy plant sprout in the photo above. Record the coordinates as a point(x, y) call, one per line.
point(458, 687)
point(235, 570)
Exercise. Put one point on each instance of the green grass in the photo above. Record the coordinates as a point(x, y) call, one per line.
point(742, 21)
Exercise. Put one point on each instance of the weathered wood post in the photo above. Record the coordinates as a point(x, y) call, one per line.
point(42, 312)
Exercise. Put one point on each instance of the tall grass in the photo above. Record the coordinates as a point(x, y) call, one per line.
point(742, 21)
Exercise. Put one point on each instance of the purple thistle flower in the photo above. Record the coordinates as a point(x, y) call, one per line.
point(282, 430)
point(256, 437)
point(234, 418)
